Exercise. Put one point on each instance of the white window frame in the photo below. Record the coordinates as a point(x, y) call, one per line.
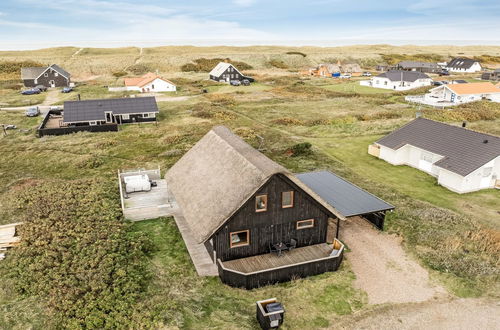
point(46, 74)
point(126, 117)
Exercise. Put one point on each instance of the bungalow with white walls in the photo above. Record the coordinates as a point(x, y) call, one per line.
point(150, 82)
point(462, 160)
point(399, 80)
point(463, 65)
point(464, 93)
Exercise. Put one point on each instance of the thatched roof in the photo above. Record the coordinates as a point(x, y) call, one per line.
point(217, 176)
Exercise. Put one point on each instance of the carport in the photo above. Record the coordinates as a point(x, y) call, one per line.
point(349, 199)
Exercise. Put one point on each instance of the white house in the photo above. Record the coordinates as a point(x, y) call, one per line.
point(462, 160)
point(150, 82)
point(464, 65)
point(464, 93)
point(399, 80)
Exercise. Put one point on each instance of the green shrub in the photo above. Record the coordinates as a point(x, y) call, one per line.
point(140, 68)
point(278, 64)
point(296, 53)
point(10, 67)
point(77, 255)
point(207, 64)
point(119, 74)
point(301, 149)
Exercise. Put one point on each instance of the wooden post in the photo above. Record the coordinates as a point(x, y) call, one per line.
point(4, 130)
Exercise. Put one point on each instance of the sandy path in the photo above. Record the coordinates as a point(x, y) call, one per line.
point(51, 97)
point(382, 267)
point(436, 314)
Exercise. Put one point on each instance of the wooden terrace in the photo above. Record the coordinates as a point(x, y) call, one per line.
point(259, 270)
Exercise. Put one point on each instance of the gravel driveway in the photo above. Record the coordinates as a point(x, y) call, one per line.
point(382, 267)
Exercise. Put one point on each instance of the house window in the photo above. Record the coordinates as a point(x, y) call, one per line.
point(45, 74)
point(303, 224)
point(125, 117)
point(56, 74)
point(152, 86)
point(261, 203)
point(239, 238)
point(287, 199)
point(93, 123)
point(145, 115)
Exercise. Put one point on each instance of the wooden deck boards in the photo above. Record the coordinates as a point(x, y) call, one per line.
point(271, 260)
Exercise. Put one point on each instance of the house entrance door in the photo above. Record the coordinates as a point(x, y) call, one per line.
point(52, 83)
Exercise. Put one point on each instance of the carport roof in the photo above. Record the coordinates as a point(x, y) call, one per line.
point(347, 198)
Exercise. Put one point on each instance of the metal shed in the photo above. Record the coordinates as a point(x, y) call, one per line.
point(349, 199)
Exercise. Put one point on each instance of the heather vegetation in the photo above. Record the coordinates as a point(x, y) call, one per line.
point(207, 64)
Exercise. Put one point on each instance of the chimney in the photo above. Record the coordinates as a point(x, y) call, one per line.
point(464, 124)
point(485, 141)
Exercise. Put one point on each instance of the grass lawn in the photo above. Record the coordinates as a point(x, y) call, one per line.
point(354, 87)
point(178, 297)
point(340, 127)
point(14, 98)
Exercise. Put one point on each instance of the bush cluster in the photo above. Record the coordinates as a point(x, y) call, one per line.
point(207, 64)
point(12, 67)
point(278, 64)
point(296, 53)
point(77, 255)
point(301, 149)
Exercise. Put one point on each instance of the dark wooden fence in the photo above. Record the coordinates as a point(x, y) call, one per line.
point(76, 129)
point(276, 275)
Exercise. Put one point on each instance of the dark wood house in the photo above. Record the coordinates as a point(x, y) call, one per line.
point(260, 223)
point(425, 67)
point(99, 115)
point(226, 72)
point(493, 76)
point(51, 76)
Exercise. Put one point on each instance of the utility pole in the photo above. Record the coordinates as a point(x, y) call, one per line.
point(4, 130)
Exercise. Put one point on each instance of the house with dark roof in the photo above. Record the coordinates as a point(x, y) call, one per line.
point(425, 67)
point(100, 115)
point(226, 72)
point(462, 160)
point(258, 222)
point(51, 76)
point(399, 80)
point(463, 65)
point(493, 75)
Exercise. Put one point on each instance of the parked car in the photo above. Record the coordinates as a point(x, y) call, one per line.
point(367, 74)
point(245, 82)
point(32, 112)
point(31, 91)
point(345, 76)
point(56, 107)
point(42, 88)
point(444, 73)
point(438, 83)
point(235, 83)
point(67, 90)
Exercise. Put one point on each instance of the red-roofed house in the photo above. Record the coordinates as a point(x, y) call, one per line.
point(150, 82)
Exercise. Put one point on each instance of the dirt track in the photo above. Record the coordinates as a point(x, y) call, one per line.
point(435, 314)
point(382, 267)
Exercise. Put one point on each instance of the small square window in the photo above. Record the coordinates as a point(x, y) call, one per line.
point(239, 238)
point(287, 199)
point(145, 115)
point(303, 224)
point(45, 74)
point(261, 203)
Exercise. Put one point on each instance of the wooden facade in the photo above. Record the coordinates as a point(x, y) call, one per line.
point(49, 78)
point(276, 224)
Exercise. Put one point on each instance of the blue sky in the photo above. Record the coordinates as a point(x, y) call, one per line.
point(27, 24)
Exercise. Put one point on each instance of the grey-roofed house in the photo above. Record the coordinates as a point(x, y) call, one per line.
point(463, 65)
point(349, 199)
point(398, 80)
point(426, 67)
point(50, 76)
point(244, 208)
point(493, 75)
point(99, 115)
point(462, 160)
point(226, 72)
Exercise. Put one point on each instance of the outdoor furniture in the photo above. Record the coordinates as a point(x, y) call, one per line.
point(279, 248)
point(292, 245)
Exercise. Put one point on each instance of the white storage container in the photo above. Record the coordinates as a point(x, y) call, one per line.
point(135, 183)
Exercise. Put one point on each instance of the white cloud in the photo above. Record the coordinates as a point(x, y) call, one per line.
point(244, 3)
